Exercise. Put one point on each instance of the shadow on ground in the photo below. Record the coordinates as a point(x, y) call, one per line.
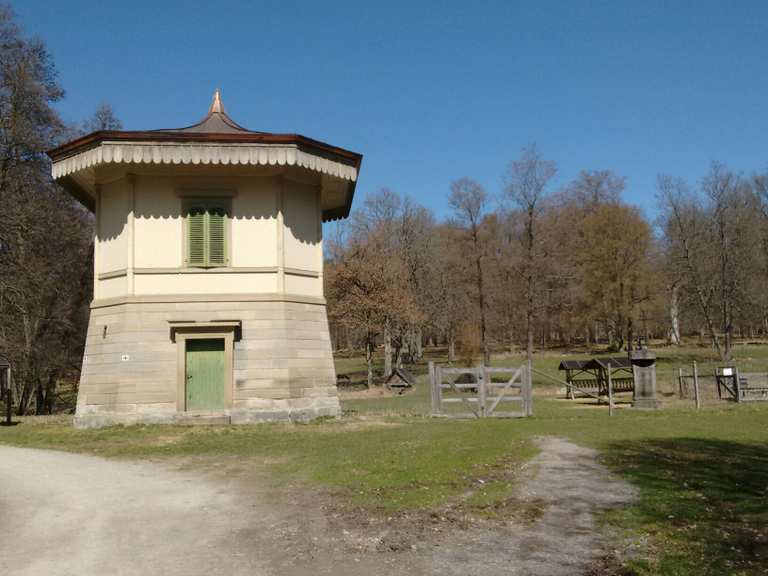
point(704, 501)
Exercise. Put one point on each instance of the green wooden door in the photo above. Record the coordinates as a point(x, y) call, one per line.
point(205, 374)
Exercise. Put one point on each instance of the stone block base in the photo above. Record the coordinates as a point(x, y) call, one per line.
point(331, 409)
point(280, 367)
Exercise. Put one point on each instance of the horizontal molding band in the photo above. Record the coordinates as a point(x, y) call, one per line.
point(205, 193)
point(218, 270)
point(215, 270)
point(113, 274)
point(213, 298)
point(301, 272)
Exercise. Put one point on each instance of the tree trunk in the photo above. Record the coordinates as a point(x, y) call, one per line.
point(419, 345)
point(674, 314)
point(348, 338)
point(486, 352)
point(728, 330)
point(387, 351)
point(529, 287)
point(369, 358)
point(765, 322)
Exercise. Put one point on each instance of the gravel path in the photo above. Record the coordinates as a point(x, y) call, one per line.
point(571, 487)
point(71, 514)
point(63, 514)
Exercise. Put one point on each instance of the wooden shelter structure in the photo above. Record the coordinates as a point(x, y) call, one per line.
point(400, 380)
point(592, 375)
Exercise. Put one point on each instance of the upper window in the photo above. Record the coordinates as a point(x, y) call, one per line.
point(207, 223)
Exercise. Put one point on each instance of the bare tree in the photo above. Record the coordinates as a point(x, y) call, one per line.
point(683, 224)
point(722, 188)
point(104, 118)
point(526, 182)
point(760, 193)
point(44, 269)
point(449, 273)
point(593, 188)
point(709, 241)
point(468, 200)
point(369, 281)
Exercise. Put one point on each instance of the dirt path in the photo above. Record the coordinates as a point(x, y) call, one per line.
point(71, 514)
point(571, 487)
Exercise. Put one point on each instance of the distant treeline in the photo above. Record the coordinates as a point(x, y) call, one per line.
point(541, 267)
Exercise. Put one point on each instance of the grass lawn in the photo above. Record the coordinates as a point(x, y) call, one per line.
point(703, 476)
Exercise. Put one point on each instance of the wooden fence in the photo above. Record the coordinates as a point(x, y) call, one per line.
point(753, 387)
point(688, 384)
point(480, 391)
point(723, 383)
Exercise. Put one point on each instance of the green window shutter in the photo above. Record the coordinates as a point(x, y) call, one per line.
point(196, 236)
point(217, 249)
point(207, 233)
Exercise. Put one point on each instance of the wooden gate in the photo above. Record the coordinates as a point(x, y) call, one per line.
point(741, 387)
point(480, 391)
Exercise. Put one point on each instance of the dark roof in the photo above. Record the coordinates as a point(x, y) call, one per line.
point(595, 363)
point(218, 127)
point(4, 363)
point(403, 375)
point(572, 364)
point(182, 135)
point(217, 121)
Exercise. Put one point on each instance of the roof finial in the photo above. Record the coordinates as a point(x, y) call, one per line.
point(216, 105)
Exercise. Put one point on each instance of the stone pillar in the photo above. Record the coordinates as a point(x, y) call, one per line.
point(644, 372)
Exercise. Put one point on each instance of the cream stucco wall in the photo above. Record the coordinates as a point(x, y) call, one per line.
point(301, 204)
point(141, 238)
point(253, 229)
point(113, 287)
point(158, 225)
point(112, 231)
point(206, 283)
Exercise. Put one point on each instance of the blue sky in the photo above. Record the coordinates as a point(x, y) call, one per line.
point(433, 91)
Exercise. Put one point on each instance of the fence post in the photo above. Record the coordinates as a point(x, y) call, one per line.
point(433, 389)
point(481, 376)
point(439, 386)
point(528, 395)
point(524, 389)
point(680, 383)
point(737, 384)
point(696, 386)
point(610, 391)
point(717, 382)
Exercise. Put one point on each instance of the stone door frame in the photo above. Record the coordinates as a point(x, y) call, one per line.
point(229, 331)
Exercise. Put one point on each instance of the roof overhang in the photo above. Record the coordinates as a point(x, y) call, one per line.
point(339, 168)
point(616, 362)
